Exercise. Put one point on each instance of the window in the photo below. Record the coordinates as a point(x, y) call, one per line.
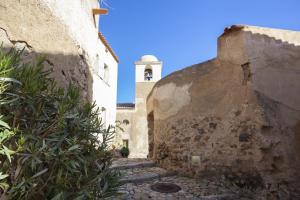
point(125, 143)
point(148, 74)
point(106, 74)
point(97, 64)
point(103, 116)
point(126, 121)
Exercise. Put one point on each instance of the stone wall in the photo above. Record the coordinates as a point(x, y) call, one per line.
point(237, 113)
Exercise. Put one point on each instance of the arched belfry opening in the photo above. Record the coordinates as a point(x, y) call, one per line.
point(150, 120)
point(148, 75)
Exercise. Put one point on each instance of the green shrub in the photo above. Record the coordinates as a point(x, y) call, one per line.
point(124, 152)
point(55, 141)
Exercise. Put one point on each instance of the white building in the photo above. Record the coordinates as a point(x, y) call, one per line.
point(82, 20)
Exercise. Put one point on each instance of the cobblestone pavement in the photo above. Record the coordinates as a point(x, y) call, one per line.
point(191, 189)
point(142, 171)
point(138, 175)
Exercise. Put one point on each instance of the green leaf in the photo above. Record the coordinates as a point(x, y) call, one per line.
point(5, 135)
point(74, 147)
point(7, 152)
point(3, 176)
point(59, 196)
point(4, 124)
point(4, 186)
point(40, 173)
point(5, 79)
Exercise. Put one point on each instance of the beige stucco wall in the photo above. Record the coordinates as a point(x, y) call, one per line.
point(139, 134)
point(238, 112)
point(136, 132)
point(65, 32)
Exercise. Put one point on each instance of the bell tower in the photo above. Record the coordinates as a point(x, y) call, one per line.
point(147, 73)
point(148, 69)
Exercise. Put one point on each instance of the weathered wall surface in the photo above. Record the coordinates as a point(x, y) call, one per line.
point(238, 112)
point(139, 129)
point(124, 115)
point(65, 32)
point(32, 25)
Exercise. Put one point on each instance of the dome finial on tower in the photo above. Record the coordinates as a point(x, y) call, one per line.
point(148, 58)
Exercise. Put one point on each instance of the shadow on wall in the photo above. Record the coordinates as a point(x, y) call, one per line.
point(65, 68)
point(150, 120)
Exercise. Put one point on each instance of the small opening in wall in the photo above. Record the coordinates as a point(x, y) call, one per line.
point(148, 75)
point(125, 143)
point(106, 73)
point(126, 121)
point(247, 73)
point(103, 116)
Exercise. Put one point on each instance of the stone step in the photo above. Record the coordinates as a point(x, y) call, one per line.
point(138, 175)
point(124, 166)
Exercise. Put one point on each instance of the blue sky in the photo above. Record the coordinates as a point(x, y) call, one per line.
point(182, 32)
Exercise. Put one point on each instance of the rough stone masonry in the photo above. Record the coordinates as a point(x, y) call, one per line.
point(236, 114)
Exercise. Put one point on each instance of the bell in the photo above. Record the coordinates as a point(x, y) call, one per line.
point(148, 76)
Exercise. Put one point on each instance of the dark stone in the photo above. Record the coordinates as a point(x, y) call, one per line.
point(179, 122)
point(186, 139)
point(201, 131)
point(206, 138)
point(177, 140)
point(185, 158)
point(195, 125)
point(266, 127)
point(197, 138)
point(237, 113)
point(212, 125)
point(244, 137)
point(234, 130)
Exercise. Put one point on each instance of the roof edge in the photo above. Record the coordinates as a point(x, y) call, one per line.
point(106, 44)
